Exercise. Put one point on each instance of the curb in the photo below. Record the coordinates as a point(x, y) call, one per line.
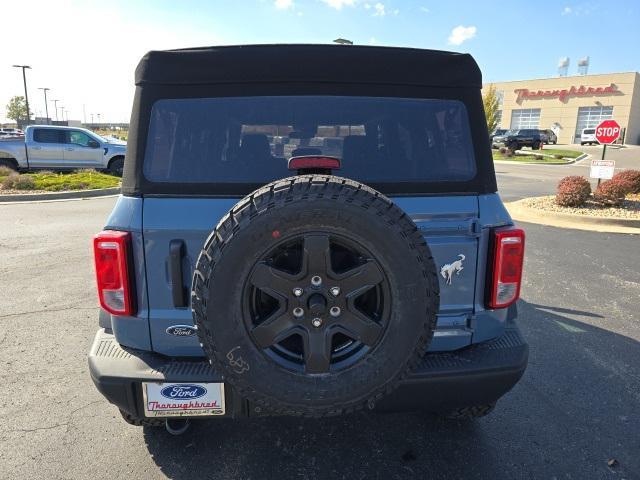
point(548, 164)
point(522, 213)
point(30, 197)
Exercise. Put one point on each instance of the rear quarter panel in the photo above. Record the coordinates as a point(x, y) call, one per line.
point(15, 149)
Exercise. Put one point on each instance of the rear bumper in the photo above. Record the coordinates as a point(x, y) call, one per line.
point(476, 375)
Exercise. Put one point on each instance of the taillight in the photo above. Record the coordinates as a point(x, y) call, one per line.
point(508, 254)
point(112, 252)
point(322, 162)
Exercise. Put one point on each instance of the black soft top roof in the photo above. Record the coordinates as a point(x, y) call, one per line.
point(308, 63)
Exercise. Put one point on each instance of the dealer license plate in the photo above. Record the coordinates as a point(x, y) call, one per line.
point(183, 399)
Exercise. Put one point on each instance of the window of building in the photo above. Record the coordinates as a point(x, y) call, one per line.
point(500, 97)
point(525, 118)
point(589, 117)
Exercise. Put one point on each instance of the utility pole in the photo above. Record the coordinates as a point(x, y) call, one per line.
point(46, 105)
point(26, 95)
point(84, 115)
point(55, 106)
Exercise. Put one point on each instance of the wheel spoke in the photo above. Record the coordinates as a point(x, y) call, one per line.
point(360, 279)
point(317, 351)
point(317, 258)
point(271, 280)
point(356, 325)
point(274, 329)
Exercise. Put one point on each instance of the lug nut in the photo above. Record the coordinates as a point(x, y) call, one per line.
point(316, 322)
point(316, 281)
point(334, 311)
point(298, 291)
point(335, 291)
point(298, 312)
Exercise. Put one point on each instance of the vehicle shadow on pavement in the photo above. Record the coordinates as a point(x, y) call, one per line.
point(574, 410)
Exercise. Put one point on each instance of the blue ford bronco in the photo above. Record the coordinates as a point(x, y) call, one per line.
point(307, 230)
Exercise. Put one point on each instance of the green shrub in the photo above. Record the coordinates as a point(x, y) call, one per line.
point(630, 179)
point(611, 193)
point(539, 157)
point(573, 191)
point(558, 156)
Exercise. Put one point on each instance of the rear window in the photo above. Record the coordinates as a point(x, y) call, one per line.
point(589, 131)
point(250, 139)
point(47, 135)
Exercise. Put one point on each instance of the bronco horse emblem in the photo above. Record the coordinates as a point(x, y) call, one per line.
point(449, 269)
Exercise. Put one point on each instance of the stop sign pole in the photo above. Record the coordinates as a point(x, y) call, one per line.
point(607, 132)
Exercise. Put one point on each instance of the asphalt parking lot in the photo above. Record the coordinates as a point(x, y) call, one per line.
point(519, 180)
point(576, 409)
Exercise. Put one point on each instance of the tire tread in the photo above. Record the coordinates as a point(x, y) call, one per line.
point(310, 188)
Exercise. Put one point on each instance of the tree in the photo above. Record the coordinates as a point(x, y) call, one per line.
point(17, 108)
point(491, 108)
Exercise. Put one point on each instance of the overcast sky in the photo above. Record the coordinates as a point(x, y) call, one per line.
point(86, 51)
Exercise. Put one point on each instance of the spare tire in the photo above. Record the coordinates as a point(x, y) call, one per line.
point(315, 295)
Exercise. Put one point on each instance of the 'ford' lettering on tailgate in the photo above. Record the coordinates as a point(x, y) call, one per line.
point(183, 391)
point(181, 330)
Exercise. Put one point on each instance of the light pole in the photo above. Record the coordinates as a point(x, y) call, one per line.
point(26, 96)
point(55, 106)
point(46, 105)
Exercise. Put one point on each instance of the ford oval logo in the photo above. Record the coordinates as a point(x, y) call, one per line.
point(183, 391)
point(182, 330)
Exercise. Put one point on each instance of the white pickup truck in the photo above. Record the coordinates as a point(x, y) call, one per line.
point(62, 148)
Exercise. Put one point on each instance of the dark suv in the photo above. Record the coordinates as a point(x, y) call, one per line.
point(294, 238)
point(517, 139)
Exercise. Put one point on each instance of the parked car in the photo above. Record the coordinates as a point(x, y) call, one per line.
point(11, 131)
point(497, 133)
point(517, 139)
point(588, 136)
point(550, 137)
point(62, 148)
point(259, 283)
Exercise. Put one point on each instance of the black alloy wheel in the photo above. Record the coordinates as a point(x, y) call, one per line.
point(317, 303)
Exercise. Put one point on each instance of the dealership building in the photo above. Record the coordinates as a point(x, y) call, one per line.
point(568, 104)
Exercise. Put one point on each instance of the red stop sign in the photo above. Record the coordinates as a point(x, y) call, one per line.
point(607, 131)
